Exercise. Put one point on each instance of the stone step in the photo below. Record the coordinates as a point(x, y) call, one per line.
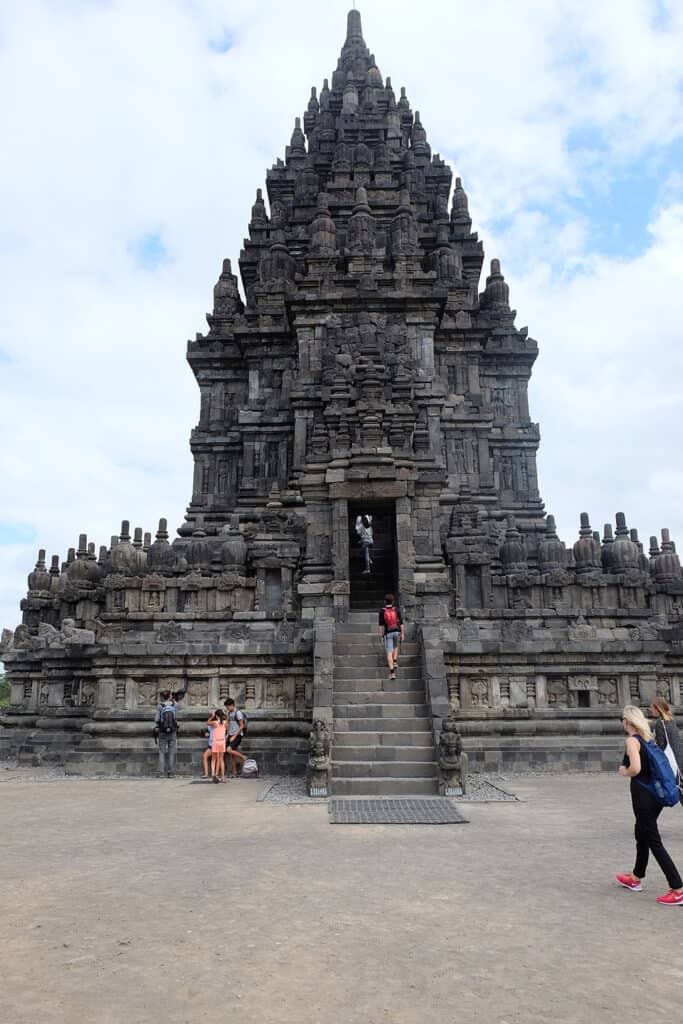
point(420, 753)
point(383, 770)
point(379, 710)
point(351, 630)
point(354, 642)
point(385, 685)
point(373, 656)
point(414, 738)
point(383, 787)
point(375, 675)
point(361, 698)
point(390, 723)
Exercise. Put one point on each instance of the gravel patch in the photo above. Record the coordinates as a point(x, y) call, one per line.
point(480, 789)
point(287, 789)
point(486, 789)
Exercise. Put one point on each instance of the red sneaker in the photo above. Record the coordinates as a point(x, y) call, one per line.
point(629, 882)
point(672, 899)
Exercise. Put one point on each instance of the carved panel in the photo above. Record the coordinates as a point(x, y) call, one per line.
point(274, 694)
point(454, 689)
point(608, 692)
point(479, 692)
point(583, 683)
point(147, 692)
point(86, 694)
point(558, 696)
point(664, 687)
point(197, 695)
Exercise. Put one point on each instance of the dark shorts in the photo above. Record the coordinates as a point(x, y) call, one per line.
point(234, 743)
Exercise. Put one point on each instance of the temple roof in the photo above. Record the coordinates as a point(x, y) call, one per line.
point(358, 147)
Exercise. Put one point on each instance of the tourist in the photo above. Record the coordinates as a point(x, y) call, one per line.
point(217, 722)
point(391, 631)
point(206, 756)
point(166, 734)
point(364, 531)
point(666, 734)
point(646, 809)
point(236, 727)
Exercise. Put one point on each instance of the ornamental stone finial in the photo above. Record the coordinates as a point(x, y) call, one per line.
point(354, 27)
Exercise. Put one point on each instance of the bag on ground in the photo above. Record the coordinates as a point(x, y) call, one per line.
point(249, 768)
point(662, 783)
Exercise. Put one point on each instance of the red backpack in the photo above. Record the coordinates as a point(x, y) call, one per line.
point(391, 619)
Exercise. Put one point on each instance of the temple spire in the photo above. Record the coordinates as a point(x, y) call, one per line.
point(354, 27)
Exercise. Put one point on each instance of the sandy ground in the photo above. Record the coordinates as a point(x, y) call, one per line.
point(160, 900)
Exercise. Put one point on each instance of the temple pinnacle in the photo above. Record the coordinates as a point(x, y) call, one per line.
point(354, 28)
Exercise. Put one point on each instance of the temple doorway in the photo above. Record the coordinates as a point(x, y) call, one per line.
point(368, 589)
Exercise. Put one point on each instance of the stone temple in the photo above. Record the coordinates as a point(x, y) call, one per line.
point(370, 365)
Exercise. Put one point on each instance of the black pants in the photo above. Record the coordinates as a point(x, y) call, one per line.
point(647, 810)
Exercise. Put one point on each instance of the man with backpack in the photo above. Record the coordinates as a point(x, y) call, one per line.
point(237, 728)
point(166, 733)
point(391, 632)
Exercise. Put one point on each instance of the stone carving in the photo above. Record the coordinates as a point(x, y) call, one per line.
point(664, 687)
point(360, 236)
point(608, 692)
point(319, 759)
point(479, 693)
point(169, 633)
point(557, 692)
point(75, 637)
point(6, 641)
point(148, 693)
point(452, 760)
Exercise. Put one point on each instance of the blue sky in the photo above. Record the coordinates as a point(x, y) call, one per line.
point(138, 133)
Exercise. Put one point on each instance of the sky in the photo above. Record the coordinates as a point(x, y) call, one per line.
point(135, 133)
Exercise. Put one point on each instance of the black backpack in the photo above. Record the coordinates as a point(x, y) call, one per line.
point(167, 720)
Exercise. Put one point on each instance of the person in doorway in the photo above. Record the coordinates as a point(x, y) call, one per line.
point(166, 734)
point(236, 725)
point(646, 809)
point(391, 631)
point(667, 735)
point(364, 531)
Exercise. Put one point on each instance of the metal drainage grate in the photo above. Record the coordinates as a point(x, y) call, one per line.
point(398, 811)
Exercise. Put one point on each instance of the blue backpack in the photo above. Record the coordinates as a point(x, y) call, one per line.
point(662, 782)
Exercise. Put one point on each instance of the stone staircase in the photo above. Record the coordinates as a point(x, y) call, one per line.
point(382, 731)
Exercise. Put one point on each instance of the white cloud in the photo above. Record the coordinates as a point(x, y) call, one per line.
point(122, 122)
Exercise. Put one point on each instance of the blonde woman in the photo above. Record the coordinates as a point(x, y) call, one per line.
point(646, 809)
point(667, 733)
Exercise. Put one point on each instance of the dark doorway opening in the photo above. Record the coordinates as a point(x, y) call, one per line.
point(368, 590)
